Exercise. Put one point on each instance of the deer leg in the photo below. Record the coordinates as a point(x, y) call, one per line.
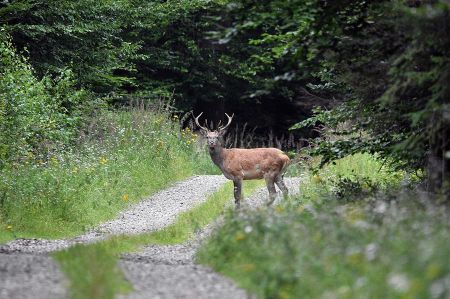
point(280, 183)
point(237, 192)
point(272, 191)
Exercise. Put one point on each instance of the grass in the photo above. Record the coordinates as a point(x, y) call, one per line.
point(377, 244)
point(92, 269)
point(123, 157)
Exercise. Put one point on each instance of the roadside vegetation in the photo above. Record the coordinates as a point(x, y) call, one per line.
point(65, 170)
point(128, 155)
point(352, 232)
point(92, 269)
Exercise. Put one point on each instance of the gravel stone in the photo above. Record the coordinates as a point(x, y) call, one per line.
point(24, 276)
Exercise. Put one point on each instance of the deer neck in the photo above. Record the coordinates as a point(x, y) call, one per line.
point(217, 154)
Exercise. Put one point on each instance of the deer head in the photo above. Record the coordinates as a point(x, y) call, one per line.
point(214, 137)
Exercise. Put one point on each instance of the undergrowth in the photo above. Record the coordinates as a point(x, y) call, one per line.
point(123, 156)
point(92, 269)
point(382, 243)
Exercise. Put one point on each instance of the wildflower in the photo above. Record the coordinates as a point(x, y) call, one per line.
point(9, 227)
point(239, 236)
point(248, 267)
point(159, 144)
point(248, 229)
point(54, 160)
point(279, 209)
point(125, 197)
point(316, 179)
point(398, 282)
point(371, 251)
point(103, 160)
point(433, 271)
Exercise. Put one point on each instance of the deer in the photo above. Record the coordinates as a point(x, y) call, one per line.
point(238, 164)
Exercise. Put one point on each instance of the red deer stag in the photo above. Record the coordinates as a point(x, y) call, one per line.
point(239, 164)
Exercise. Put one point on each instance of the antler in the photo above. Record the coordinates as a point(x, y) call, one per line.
point(196, 121)
point(230, 118)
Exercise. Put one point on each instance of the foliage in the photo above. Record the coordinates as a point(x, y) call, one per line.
point(37, 116)
point(113, 47)
point(345, 251)
point(123, 157)
point(387, 244)
point(84, 36)
point(103, 268)
point(395, 70)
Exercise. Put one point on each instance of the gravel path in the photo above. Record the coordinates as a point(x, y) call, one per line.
point(26, 270)
point(171, 272)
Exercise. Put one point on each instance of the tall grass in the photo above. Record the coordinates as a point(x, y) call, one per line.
point(122, 156)
point(378, 244)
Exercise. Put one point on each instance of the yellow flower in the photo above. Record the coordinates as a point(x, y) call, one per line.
point(103, 160)
point(279, 209)
point(239, 236)
point(316, 179)
point(159, 144)
point(247, 267)
point(9, 227)
point(433, 270)
point(125, 197)
point(54, 160)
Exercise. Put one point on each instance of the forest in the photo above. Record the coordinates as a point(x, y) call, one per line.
point(96, 106)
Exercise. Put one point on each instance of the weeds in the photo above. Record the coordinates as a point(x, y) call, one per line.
point(122, 157)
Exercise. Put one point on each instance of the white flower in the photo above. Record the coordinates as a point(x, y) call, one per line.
point(380, 207)
point(371, 251)
point(398, 282)
point(248, 229)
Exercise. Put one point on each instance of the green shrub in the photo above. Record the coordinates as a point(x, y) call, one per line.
point(351, 177)
point(37, 116)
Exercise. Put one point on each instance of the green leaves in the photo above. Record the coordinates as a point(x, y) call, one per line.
point(37, 116)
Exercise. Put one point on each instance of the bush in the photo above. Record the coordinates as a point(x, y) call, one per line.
point(37, 117)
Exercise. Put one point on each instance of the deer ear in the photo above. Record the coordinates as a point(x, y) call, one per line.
point(222, 133)
point(204, 133)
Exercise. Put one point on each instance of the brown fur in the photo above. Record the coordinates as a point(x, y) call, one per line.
point(251, 164)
